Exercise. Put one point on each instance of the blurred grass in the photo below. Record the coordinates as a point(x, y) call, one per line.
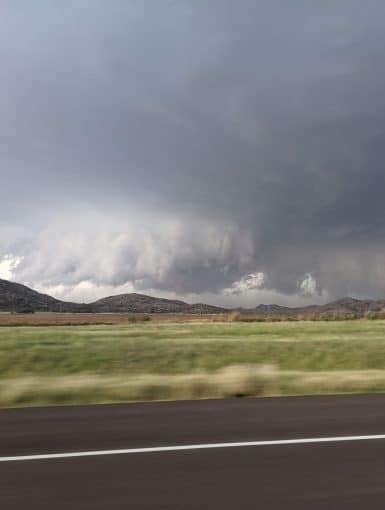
point(73, 364)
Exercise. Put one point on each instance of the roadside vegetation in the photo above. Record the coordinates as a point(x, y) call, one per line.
point(146, 360)
point(297, 317)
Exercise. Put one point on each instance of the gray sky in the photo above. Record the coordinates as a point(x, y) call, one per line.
point(178, 147)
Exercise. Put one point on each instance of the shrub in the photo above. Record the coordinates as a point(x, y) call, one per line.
point(25, 310)
point(139, 317)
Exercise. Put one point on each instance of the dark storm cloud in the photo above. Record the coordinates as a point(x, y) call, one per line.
point(188, 144)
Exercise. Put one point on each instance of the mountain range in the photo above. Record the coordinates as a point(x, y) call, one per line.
point(15, 297)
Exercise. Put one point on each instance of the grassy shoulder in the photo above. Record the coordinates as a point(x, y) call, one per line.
point(151, 361)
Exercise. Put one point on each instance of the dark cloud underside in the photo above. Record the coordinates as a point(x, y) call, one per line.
point(181, 145)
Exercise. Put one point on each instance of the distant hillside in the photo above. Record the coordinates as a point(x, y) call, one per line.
point(18, 298)
point(147, 304)
point(341, 306)
point(15, 297)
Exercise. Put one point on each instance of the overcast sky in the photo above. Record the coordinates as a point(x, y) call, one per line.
point(218, 150)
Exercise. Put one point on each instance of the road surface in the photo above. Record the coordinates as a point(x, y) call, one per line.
point(336, 474)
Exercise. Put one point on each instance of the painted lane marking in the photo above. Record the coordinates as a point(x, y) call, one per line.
point(204, 446)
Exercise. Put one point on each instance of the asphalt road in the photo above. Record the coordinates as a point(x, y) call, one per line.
point(336, 475)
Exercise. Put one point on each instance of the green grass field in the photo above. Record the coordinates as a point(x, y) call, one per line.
point(147, 361)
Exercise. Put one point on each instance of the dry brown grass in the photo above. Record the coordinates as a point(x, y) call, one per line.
point(52, 319)
point(232, 381)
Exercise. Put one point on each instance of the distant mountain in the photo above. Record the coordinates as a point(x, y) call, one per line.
point(268, 309)
point(15, 297)
point(342, 306)
point(348, 304)
point(147, 304)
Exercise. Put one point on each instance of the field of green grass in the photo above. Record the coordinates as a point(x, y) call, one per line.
point(163, 360)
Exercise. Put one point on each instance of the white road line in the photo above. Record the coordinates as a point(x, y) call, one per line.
point(177, 448)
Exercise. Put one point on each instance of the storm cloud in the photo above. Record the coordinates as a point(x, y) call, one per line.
point(207, 148)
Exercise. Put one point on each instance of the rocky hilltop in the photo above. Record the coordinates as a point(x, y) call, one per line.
point(148, 304)
point(15, 297)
